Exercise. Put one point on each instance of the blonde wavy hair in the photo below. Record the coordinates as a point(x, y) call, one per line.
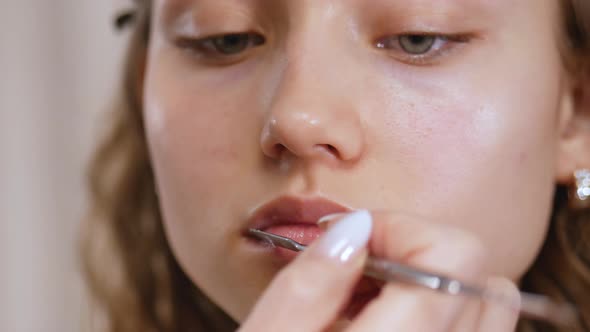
point(137, 284)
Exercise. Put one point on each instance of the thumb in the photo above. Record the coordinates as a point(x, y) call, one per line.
point(309, 293)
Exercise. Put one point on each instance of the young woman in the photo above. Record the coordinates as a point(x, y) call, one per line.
point(445, 134)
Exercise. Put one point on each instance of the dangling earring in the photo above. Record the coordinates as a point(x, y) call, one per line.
point(579, 197)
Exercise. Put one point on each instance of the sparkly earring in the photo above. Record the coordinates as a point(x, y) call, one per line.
point(580, 193)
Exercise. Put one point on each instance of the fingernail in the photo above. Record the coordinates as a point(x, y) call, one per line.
point(331, 217)
point(346, 237)
point(328, 220)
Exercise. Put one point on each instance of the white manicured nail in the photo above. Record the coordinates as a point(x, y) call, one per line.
point(331, 217)
point(346, 237)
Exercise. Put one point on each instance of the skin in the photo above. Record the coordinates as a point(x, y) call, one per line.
point(473, 138)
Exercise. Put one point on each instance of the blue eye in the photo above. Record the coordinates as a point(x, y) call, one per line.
point(416, 44)
point(420, 49)
point(413, 44)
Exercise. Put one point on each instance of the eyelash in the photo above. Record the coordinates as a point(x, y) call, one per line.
point(208, 48)
point(442, 44)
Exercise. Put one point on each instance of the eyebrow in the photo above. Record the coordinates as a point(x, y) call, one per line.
point(484, 6)
point(426, 14)
point(172, 10)
point(172, 6)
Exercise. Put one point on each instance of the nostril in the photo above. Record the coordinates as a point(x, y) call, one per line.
point(278, 150)
point(329, 148)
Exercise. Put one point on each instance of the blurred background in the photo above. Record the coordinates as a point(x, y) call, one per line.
point(59, 63)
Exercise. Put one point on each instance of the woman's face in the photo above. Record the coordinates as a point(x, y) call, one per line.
point(443, 109)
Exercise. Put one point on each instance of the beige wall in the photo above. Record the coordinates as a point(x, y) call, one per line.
point(58, 60)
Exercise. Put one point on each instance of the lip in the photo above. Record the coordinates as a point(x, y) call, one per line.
point(292, 210)
point(302, 214)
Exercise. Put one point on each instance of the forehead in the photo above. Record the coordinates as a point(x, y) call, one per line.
point(496, 11)
point(481, 4)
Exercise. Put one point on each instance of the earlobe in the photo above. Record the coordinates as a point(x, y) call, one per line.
point(573, 146)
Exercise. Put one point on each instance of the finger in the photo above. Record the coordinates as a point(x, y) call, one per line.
point(432, 247)
point(435, 247)
point(501, 312)
point(308, 294)
point(399, 309)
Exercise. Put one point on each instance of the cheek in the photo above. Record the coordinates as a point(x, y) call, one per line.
point(203, 145)
point(196, 133)
point(479, 154)
point(200, 141)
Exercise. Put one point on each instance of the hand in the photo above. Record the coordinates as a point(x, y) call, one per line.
point(310, 293)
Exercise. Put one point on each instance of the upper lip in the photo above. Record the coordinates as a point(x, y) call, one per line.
point(293, 210)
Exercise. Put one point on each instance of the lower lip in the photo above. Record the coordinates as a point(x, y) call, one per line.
point(302, 233)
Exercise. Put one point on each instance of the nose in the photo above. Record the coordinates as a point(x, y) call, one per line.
point(312, 118)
